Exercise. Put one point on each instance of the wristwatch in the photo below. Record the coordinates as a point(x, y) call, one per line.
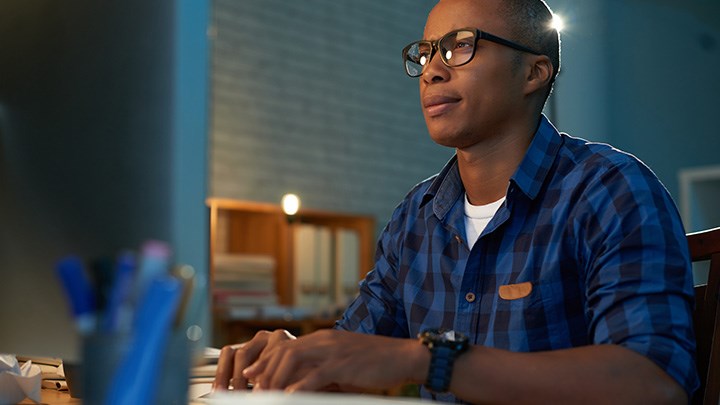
point(445, 346)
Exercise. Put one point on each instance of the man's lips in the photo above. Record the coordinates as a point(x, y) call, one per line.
point(438, 104)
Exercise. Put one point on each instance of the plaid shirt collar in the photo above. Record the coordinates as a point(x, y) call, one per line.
point(529, 177)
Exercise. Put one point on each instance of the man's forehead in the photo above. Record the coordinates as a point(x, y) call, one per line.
point(448, 15)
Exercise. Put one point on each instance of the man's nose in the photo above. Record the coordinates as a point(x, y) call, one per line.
point(435, 69)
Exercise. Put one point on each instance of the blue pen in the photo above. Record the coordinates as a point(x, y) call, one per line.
point(118, 312)
point(79, 291)
point(153, 262)
point(135, 381)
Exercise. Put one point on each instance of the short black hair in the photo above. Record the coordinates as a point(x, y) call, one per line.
point(530, 23)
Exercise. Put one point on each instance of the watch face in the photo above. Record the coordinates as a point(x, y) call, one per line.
point(446, 338)
point(450, 336)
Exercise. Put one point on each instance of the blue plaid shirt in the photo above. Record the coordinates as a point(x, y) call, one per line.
point(587, 229)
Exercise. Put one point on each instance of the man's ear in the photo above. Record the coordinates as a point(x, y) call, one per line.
point(539, 73)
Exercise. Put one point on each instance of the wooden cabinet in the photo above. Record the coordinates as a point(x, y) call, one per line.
point(262, 229)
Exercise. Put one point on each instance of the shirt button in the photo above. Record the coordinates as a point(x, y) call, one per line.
point(457, 238)
point(470, 297)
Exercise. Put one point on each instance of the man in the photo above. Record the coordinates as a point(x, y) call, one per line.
point(560, 266)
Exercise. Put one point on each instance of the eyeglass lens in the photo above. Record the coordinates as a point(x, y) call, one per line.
point(456, 48)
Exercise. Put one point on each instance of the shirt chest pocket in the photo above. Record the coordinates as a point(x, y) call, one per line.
point(519, 318)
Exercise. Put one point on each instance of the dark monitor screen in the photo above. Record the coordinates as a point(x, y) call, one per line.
point(85, 150)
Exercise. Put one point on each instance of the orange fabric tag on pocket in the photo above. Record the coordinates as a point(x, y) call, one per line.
point(515, 291)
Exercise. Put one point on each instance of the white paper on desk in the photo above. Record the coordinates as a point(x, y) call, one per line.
point(18, 382)
point(207, 370)
point(303, 398)
point(210, 355)
point(199, 389)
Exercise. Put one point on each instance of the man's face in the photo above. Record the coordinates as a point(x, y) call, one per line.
point(478, 101)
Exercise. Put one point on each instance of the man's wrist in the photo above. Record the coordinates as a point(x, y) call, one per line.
point(419, 362)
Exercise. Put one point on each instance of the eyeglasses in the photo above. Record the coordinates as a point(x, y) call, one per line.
point(456, 49)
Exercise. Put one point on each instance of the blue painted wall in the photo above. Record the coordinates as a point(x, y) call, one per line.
point(664, 84)
point(642, 75)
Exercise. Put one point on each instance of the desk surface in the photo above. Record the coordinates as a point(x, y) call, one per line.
point(52, 397)
point(307, 398)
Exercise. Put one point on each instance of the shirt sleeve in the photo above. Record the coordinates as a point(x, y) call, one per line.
point(378, 308)
point(638, 275)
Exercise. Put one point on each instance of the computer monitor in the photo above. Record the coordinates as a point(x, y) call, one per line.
point(88, 152)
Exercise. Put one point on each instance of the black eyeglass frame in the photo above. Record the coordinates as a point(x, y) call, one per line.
point(479, 34)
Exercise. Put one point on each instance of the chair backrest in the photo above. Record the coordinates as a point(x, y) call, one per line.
point(705, 245)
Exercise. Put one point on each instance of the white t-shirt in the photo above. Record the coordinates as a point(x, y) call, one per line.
point(477, 217)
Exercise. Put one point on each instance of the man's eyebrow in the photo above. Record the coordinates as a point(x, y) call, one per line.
point(425, 38)
point(442, 34)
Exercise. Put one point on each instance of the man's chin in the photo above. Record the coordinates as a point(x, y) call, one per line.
point(446, 138)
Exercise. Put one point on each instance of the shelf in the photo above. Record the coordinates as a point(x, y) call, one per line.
point(253, 229)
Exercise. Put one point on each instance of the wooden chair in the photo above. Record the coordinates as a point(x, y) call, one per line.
point(705, 245)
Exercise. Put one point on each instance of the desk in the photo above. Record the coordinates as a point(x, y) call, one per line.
point(54, 397)
point(308, 398)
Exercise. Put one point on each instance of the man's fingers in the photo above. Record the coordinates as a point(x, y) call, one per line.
point(282, 367)
point(235, 359)
point(269, 368)
point(279, 335)
point(265, 367)
point(245, 356)
point(314, 380)
point(225, 368)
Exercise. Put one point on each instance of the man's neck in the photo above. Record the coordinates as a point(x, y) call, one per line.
point(486, 167)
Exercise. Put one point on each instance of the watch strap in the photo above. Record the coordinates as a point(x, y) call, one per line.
point(441, 365)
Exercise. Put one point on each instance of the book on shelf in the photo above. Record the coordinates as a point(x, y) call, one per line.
point(240, 312)
point(242, 272)
point(326, 263)
point(347, 265)
point(244, 262)
point(245, 285)
point(226, 277)
point(244, 265)
point(312, 254)
point(245, 299)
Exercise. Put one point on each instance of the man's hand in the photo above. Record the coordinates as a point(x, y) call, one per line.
point(332, 358)
point(235, 358)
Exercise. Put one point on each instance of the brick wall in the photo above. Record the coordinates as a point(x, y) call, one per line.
point(310, 97)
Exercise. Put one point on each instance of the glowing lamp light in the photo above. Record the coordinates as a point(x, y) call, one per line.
point(290, 204)
point(557, 23)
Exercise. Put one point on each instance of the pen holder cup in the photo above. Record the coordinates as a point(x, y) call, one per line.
point(103, 354)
